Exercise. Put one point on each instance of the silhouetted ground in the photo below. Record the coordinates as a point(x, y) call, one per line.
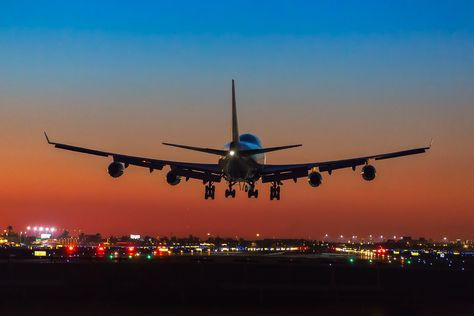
point(232, 286)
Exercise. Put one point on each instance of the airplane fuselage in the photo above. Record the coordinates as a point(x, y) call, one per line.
point(242, 168)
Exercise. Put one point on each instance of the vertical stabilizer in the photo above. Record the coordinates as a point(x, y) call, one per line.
point(235, 125)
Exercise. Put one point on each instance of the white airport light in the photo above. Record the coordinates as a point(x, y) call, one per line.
point(231, 152)
point(28, 228)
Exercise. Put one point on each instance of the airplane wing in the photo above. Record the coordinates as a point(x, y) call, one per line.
point(201, 171)
point(272, 173)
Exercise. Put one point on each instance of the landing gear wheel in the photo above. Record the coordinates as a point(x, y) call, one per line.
point(209, 191)
point(252, 192)
point(230, 191)
point(275, 191)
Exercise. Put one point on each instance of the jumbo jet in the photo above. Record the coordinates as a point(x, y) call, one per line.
point(242, 160)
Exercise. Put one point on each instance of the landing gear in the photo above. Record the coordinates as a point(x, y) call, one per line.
point(210, 191)
point(275, 191)
point(230, 191)
point(251, 191)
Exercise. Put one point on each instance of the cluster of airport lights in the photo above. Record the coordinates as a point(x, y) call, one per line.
point(381, 237)
point(41, 229)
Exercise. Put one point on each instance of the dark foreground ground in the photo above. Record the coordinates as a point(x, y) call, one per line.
point(231, 285)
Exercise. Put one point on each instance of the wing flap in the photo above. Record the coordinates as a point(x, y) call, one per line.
point(280, 176)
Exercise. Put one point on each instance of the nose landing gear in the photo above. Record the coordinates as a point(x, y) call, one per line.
point(230, 191)
point(251, 191)
point(210, 191)
point(275, 191)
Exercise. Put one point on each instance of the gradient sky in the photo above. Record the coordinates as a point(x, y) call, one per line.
point(344, 78)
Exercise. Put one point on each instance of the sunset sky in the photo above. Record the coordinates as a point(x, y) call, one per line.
point(343, 78)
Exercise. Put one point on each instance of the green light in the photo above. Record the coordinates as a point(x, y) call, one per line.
point(111, 256)
point(148, 257)
point(409, 261)
point(370, 260)
point(351, 260)
point(130, 257)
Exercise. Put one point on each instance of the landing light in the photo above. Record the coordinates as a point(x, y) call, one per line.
point(231, 152)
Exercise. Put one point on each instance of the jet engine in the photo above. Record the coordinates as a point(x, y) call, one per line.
point(172, 178)
point(315, 179)
point(116, 169)
point(368, 173)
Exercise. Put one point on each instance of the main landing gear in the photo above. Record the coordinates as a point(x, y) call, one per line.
point(275, 191)
point(251, 191)
point(210, 191)
point(230, 191)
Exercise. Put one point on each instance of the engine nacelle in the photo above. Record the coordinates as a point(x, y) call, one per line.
point(172, 178)
point(368, 173)
point(315, 179)
point(116, 169)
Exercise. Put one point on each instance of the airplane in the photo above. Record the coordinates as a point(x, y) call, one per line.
point(241, 161)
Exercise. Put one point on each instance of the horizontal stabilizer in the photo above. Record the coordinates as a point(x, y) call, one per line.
point(219, 152)
point(250, 152)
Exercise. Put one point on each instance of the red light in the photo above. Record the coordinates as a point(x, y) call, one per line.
point(101, 248)
point(71, 249)
point(131, 249)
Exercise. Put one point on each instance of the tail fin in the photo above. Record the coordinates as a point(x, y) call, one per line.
point(235, 125)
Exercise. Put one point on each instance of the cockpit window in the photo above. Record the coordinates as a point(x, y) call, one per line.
point(249, 138)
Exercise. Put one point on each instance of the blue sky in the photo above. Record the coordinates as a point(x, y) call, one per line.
point(248, 18)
